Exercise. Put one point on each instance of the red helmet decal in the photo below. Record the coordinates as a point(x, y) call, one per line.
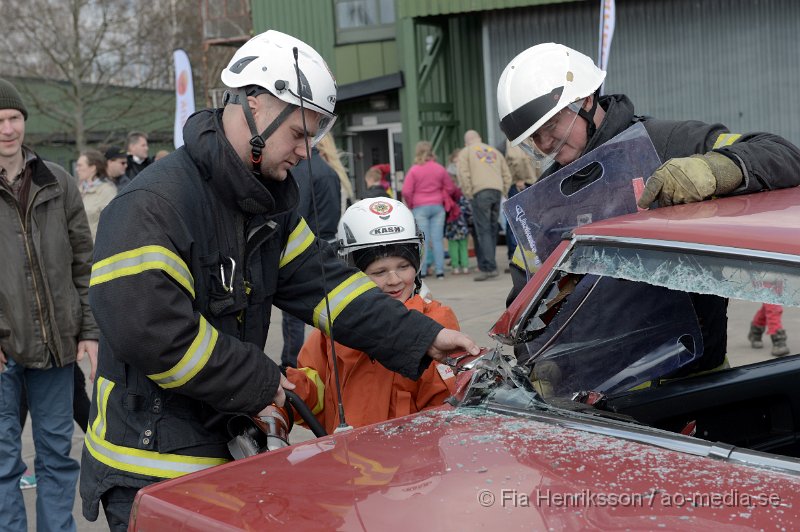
point(381, 208)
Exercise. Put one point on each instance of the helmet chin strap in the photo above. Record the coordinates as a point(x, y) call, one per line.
point(259, 141)
point(589, 117)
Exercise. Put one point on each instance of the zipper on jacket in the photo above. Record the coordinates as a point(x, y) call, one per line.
point(259, 235)
point(30, 261)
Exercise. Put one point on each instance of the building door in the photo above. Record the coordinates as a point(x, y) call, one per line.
point(371, 145)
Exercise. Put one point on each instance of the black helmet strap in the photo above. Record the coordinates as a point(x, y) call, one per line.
point(589, 117)
point(258, 141)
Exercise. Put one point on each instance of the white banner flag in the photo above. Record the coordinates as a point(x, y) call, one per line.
point(608, 14)
point(184, 94)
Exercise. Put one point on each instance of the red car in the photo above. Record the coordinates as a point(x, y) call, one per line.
point(589, 417)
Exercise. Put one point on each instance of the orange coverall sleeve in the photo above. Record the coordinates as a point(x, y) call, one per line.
point(438, 381)
point(309, 378)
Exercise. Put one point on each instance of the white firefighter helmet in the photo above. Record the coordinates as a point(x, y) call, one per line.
point(377, 222)
point(540, 82)
point(267, 60)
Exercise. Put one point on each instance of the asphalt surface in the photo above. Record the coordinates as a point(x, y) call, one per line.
point(477, 305)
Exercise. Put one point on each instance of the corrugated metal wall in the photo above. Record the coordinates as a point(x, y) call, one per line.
point(309, 20)
point(424, 8)
point(312, 21)
point(443, 95)
point(467, 76)
point(729, 61)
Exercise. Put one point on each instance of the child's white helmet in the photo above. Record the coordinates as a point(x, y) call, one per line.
point(377, 222)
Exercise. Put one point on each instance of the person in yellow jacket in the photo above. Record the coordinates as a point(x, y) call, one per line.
point(379, 237)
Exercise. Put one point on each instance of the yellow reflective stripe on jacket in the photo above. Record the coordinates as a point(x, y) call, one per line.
point(104, 388)
point(142, 259)
point(192, 361)
point(148, 463)
point(530, 257)
point(299, 240)
point(726, 139)
point(339, 298)
point(313, 376)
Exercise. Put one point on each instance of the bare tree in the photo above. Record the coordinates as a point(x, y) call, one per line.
point(91, 58)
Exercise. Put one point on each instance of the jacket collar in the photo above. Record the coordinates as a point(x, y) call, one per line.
point(227, 175)
point(618, 117)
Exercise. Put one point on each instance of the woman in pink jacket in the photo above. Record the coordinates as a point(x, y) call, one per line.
point(426, 191)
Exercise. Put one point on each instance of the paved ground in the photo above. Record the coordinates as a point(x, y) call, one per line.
point(477, 305)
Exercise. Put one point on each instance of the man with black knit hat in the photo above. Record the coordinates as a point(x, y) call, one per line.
point(45, 320)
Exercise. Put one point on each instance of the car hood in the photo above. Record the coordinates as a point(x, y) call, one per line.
point(468, 468)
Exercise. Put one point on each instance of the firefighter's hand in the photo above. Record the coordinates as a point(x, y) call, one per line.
point(90, 348)
point(691, 179)
point(280, 396)
point(448, 341)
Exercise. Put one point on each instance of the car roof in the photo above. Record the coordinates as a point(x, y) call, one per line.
point(766, 221)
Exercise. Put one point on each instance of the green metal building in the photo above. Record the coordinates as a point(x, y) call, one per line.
point(428, 69)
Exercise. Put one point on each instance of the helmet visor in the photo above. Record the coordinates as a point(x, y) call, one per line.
point(324, 125)
point(546, 142)
point(325, 120)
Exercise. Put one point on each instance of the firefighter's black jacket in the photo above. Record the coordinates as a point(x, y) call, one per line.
point(188, 261)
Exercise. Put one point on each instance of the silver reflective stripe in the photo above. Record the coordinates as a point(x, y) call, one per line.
point(299, 240)
point(339, 298)
point(192, 361)
point(148, 463)
point(139, 260)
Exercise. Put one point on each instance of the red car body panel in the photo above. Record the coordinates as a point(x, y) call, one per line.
point(764, 221)
point(440, 470)
point(450, 469)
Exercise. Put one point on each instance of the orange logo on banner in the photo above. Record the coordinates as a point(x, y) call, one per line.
point(182, 83)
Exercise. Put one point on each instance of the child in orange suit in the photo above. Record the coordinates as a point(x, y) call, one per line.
point(379, 237)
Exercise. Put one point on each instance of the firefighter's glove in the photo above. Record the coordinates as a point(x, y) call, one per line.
point(691, 179)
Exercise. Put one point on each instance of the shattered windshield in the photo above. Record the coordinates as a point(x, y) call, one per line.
point(616, 318)
point(752, 279)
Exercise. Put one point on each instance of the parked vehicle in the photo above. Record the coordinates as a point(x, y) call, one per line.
point(569, 425)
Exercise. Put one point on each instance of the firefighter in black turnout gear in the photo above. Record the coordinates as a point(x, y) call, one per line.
point(183, 301)
point(549, 105)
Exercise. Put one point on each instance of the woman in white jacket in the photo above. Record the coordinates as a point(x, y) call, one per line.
point(96, 189)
